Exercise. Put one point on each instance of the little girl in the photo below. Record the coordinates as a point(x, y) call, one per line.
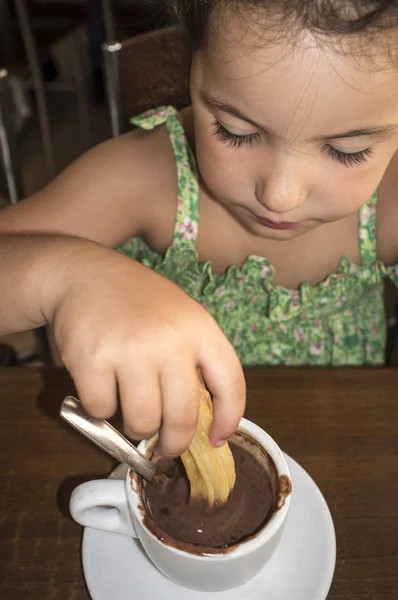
point(258, 201)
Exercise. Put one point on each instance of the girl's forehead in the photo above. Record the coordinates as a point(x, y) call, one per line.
point(299, 89)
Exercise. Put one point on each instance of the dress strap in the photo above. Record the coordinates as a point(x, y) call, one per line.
point(187, 217)
point(367, 231)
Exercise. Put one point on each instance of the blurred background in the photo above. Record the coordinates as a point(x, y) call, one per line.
point(54, 103)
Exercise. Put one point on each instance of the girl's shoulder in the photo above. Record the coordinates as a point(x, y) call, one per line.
point(160, 149)
point(387, 215)
point(123, 187)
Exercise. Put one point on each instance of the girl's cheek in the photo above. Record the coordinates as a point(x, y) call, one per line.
point(213, 155)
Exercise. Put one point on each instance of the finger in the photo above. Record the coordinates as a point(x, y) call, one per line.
point(223, 375)
point(96, 389)
point(180, 404)
point(140, 400)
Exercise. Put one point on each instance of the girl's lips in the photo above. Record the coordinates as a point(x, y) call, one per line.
point(274, 225)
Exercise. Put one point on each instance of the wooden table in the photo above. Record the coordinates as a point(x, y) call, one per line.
point(341, 425)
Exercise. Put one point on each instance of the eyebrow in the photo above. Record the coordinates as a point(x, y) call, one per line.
point(222, 106)
point(365, 131)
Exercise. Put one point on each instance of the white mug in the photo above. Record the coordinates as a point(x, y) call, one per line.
point(116, 506)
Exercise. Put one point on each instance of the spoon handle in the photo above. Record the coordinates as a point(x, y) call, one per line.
point(108, 438)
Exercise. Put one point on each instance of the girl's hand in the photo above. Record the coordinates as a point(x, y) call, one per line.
point(122, 328)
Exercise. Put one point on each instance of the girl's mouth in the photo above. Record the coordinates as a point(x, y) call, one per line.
point(276, 225)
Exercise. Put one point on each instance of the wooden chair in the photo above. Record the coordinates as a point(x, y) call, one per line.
point(123, 20)
point(149, 70)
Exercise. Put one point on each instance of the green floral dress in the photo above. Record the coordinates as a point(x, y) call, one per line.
point(340, 321)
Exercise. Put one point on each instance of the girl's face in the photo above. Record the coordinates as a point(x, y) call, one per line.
point(288, 138)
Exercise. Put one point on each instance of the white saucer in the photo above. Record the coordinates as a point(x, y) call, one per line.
point(116, 567)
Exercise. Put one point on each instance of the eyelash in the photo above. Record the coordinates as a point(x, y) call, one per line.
point(238, 141)
point(349, 160)
point(233, 140)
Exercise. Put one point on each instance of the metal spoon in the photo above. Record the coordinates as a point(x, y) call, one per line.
point(109, 439)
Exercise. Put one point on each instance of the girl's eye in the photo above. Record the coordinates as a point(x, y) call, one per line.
point(349, 160)
point(232, 139)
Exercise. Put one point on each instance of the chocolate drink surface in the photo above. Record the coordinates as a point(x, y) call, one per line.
point(181, 523)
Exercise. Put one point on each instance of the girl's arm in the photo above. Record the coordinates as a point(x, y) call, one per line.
point(118, 326)
point(107, 195)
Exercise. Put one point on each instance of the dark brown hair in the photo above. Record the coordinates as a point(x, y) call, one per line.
point(327, 17)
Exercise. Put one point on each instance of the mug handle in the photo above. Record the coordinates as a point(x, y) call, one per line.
point(102, 504)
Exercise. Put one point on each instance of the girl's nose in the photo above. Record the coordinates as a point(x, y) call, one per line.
point(281, 191)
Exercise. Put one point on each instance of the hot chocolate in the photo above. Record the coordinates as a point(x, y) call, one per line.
point(172, 517)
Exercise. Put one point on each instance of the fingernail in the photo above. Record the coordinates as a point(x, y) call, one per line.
point(221, 443)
